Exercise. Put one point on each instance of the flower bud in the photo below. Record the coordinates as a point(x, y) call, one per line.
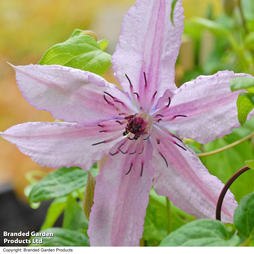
point(88, 195)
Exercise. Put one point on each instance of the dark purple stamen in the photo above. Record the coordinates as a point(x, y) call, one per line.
point(110, 103)
point(146, 137)
point(129, 170)
point(133, 153)
point(112, 154)
point(154, 94)
point(159, 115)
point(137, 95)
point(159, 120)
point(179, 116)
point(158, 141)
point(118, 122)
point(122, 151)
point(128, 79)
point(119, 102)
point(180, 146)
point(100, 125)
point(102, 142)
point(164, 159)
point(110, 95)
point(169, 101)
point(142, 167)
point(145, 78)
point(141, 151)
point(103, 131)
point(177, 138)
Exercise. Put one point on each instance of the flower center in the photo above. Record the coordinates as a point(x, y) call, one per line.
point(138, 124)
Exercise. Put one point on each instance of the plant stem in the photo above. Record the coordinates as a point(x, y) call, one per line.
point(226, 147)
point(169, 215)
point(242, 16)
point(224, 190)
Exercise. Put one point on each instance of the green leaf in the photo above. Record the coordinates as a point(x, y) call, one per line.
point(203, 232)
point(172, 11)
point(241, 83)
point(156, 219)
point(248, 10)
point(244, 107)
point(215, 28)
point(79, 51)
point(226, 163)
point(54, 211)
point(74, 217)
point(103, 44)
point(249, 41)
point(58, 183)
point(244, 216)
point(250, 163)
point(61, 237)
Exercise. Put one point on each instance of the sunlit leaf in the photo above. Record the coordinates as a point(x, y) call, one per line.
point(215, 28)
point(226, 163)
point(241, 83)
point(74, 217)
point(244, 107)
point(244, 216)
point(58, 183)
point(205, 232)
point(54, 211)
point(79, 51)
point(61, 237)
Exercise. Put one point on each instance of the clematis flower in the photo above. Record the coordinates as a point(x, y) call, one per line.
point(133, 126)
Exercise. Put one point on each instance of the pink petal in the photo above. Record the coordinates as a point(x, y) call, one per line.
point(61, 144)
point(120, 200)
point(205, 108)
point(69, 94)
point(149, 43)
point(182, 177)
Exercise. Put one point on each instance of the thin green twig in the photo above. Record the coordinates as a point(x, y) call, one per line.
point(226, 147)
point(169, 215)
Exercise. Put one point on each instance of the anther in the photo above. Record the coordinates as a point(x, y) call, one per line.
point(118, 122)
point(137, 95)
point(112, 154)
point(169, 101)
point(154, 94)
point(180, 146)
point(177, 138)
point(119, 102)
point(141, 151)
point(129, 170)
point(145, 78)
point(179, 116)
point(100, 125)
point(146, 137)
point(128, 79)
point(142, 167)
point(110, 95)
point(122, 151)
point(110, 103)
point(164, 159)
point(102, 142)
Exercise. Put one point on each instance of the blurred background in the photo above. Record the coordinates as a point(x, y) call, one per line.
point(29, 28)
